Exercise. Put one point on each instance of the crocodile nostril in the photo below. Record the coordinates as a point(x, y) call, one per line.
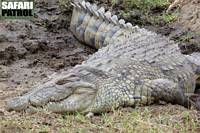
point(62, 82)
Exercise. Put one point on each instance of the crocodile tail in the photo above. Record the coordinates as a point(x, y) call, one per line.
point(95, 26)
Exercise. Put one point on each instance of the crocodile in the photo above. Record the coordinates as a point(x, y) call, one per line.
point(132, 67)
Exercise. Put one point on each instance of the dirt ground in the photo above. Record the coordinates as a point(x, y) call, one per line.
point(31, 52)
point(187, 25)
point(190, 14)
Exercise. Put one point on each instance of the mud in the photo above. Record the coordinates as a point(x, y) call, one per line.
point(188, 40)
point(32, 51)
point(190, 14)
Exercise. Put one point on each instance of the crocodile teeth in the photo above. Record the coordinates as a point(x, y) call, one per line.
point(114, 19)
point(101, 12)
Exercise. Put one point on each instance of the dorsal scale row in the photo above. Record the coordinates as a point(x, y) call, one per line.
point(101, 13)
point(136, 68)
point(96, 27)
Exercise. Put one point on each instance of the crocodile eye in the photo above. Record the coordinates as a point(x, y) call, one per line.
point(70, 78)
point(61, 82)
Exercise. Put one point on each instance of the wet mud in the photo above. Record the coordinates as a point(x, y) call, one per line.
point(32, 51)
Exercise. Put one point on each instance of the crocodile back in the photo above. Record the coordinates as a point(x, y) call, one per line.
point(97, 28)
point(135, 43)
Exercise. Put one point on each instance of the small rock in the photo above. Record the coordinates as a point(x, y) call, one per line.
point(57, 63)
point(34, 45)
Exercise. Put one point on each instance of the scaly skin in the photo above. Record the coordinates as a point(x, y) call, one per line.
point(137, 67)
point(88, 89)
point(94, 26)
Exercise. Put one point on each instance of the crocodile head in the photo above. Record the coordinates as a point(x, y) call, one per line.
point(67, 92)
point(57, 96)
point(194, 61)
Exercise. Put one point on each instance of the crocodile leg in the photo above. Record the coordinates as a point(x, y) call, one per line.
point(88, 89)
point(149, 92)
point(169, 91)
point(152, 65)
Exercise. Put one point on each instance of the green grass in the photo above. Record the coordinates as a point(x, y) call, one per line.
point(152, 11)
point(146, 5)
point(146, 8)
point(153, 119)
point(143, 5)
point(164, 17)
point(169, 17)
point(186, 37)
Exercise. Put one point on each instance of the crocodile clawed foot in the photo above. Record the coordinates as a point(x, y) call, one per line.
point(65, 94)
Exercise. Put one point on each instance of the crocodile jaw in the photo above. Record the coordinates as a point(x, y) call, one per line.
point(63, 94)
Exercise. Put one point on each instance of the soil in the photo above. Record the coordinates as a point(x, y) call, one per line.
point(190, 14)
point(32, 51)
point(186, 29)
